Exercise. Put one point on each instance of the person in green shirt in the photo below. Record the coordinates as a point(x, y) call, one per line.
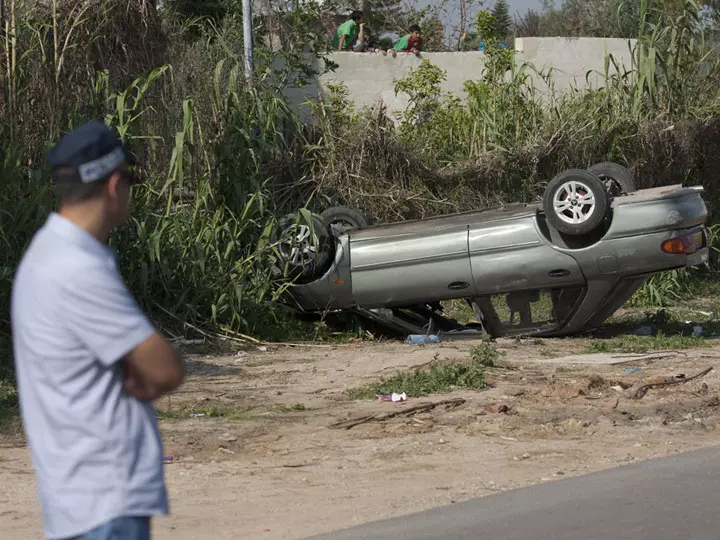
point(412, 42)
point(349, 36)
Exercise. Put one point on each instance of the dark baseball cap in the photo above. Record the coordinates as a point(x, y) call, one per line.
point(93, 151)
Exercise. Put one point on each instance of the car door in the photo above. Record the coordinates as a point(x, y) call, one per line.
point(511, 255)
point(411, 263)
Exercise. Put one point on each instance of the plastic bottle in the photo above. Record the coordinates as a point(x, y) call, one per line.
point(422, 339)
point(394, 397)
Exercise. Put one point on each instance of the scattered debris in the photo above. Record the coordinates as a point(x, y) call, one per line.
point(496, 408)
point(392, 397)
point(190, 341)
point(168, 459)
point(630, 371)
point(197, 415)
point(712, 402)
point(681, 379)
point(228, 438)
point(421, 339)
point(423, 407)
point(299, 465)
point(225, 450)
point(596, 382)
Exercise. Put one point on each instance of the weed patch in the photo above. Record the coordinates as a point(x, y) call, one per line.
point(643, 344)
point(436, 380)
point(298, 407)
point(183, 413)
point(485, 355)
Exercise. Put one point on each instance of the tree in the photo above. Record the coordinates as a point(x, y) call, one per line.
point(605, 18)
point(211, 9)
point(433, 31)
point(528, 25)
point(503, 21)
point(383, 15)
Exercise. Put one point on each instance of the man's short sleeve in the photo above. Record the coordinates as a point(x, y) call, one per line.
point(103, 315)
point(348, 28)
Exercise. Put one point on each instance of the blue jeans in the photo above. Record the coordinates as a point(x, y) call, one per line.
point(123, 528)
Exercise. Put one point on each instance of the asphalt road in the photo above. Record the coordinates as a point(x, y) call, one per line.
point(666, 499)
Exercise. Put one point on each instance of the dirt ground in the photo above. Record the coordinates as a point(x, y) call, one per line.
point(264, 461)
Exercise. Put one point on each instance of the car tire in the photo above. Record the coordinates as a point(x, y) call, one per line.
point(618, 180)
point(575, 202)
point(340, 219)
point(304, 251)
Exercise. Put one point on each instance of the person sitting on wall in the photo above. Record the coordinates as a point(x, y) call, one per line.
point(349, 35)
point(410, 43)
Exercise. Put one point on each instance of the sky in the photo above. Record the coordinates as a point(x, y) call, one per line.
point(451, 16)
point(517, 7)
point(521, 6)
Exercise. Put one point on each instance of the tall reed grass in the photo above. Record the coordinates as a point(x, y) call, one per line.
point(225, 159)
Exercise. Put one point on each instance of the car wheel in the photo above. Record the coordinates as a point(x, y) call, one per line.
point(303, 249)
point(618, 180)
point(575, 202)
point(340, 219)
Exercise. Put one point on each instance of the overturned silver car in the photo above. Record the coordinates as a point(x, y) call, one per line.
point(558, 267)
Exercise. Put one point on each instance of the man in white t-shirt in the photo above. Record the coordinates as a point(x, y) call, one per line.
point(88, 361)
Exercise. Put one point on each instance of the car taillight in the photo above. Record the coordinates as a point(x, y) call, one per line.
point(683, 244)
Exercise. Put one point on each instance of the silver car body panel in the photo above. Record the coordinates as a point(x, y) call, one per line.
point(508, 251)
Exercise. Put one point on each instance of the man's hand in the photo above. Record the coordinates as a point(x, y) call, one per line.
point(414, 50)
point(152, 369)
point(132, 384)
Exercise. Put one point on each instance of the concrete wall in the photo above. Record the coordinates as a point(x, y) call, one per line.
point(572, 58)
point(370, 77)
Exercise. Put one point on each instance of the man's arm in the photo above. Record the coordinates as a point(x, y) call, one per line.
point(152, 369)
point(102, 313)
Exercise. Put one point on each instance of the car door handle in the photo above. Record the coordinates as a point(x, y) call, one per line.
point(458, 285)
point(559, 273)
